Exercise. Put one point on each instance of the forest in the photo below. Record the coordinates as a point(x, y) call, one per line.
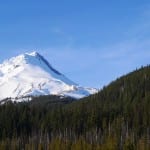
point(116, 118)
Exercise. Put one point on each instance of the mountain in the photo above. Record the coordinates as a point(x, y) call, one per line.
point(30, 74)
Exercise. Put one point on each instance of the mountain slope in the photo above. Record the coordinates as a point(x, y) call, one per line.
point(31, 74)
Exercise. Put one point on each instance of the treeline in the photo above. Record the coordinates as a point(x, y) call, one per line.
point(118, 117)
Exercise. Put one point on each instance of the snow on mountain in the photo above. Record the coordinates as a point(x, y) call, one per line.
point(31, 74)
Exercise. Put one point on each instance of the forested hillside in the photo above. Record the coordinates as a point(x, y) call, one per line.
point(118, 117)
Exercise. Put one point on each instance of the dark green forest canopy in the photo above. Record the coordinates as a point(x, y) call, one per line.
point(118, 116)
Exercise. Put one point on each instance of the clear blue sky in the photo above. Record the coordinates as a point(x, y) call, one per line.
point(91, 41)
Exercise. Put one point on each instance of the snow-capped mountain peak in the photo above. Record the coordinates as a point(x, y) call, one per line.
point(34, 53)
point(30, 74)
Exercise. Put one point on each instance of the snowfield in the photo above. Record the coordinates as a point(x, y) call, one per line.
point(31, 74)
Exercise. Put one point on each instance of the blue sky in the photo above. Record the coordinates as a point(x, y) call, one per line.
point(91, 41)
